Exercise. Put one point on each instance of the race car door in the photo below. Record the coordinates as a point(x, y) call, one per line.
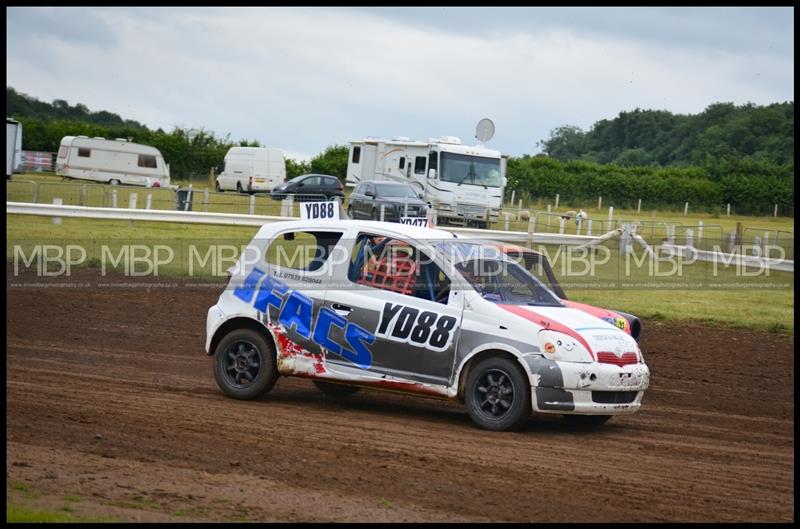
point(404, 300)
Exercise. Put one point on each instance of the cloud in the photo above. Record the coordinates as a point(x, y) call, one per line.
point(303, 79)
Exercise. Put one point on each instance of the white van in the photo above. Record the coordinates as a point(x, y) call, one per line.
point(13, 146)
point(116, 161)
point(252, 169)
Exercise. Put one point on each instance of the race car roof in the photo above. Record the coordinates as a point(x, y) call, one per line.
point(373, 226)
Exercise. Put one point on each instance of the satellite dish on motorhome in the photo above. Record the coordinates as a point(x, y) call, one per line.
point(485, 130)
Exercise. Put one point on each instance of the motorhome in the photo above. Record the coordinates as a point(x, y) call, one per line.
point(117, 161)
point(462, 185)
point(13, 146)
point(252, 169)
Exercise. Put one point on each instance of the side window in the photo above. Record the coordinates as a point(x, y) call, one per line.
point(330, 182)
point(83, 152)
point(356, 154)
point(394, 265)
point(433, 161)
point(402, 163)
point(419, 165)
point(147, 160)
point(302, 250)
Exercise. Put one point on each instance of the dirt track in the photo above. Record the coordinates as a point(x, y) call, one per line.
point(113, 410)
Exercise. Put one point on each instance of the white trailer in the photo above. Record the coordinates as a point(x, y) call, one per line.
point(252, 169)
point(13, 146)
point(116, 161)
point(463, 185)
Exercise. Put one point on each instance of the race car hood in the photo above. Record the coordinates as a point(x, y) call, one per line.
point(593, 333)
point(606, 315)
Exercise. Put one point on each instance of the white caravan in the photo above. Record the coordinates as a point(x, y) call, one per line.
point(13, 146)
point(116, 161)
point(463, 185)
point(252, 169)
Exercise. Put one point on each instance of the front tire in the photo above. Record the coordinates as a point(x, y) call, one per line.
point(335, 390)
point(219, 189)
point(238, 187)
point(498, 395)
point(245, 365)
point(114, 182)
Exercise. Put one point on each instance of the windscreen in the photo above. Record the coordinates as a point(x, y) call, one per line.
point(468, 169)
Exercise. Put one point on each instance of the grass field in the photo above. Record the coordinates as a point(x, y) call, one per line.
point(764, 302)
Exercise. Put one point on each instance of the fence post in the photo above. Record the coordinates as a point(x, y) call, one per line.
point(686, 209)
point(113, 198)
point(756, 250)
point(505, 223)
point(732, 241)
point(729, 209)
point(205, 197)
point(82, 201)
point(211, 178)
point(599, 203)
point(548, 215)
point(252, 204)
point(766, 242)
point(189, 197)
point(639, 207)
point(149, 202)
point(610, 215)
point(689, 238)
point(561, 225)
point(557, 197)
point(775, 213)
point(519, 210)
point(383, 211)
point(57, 202)
point(699, 231)
point(739, 231)
point(531, 226)
point(132, 198)
point(513, 192)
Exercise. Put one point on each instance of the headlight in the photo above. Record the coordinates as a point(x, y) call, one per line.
point(559, 346)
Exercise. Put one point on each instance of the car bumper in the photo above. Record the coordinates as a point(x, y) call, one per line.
point(588, 389)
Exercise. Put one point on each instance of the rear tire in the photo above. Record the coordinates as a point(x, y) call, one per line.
point(114, 182)
point(245, 364)
point(219, 189)
point(498, 395)
point(586, 421)
point(335, 390)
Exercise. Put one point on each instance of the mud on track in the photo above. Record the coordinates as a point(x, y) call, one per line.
point(112, 410)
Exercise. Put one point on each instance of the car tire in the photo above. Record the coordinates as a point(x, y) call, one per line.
point(335, 390)
point(586, 421)
point(238, 187)
point(498, 394)
point(114, 182)
point(219, 189)
point(244, 364)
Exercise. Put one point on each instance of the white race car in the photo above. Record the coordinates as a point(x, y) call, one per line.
point(418, 310)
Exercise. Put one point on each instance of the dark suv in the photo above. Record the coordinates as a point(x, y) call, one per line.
point(398, 200)
point(309, 187)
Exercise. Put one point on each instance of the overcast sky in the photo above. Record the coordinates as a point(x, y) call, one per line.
point(304, 78)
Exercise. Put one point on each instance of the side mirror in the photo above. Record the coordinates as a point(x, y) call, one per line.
point(432, 174)
point(300, 184)
point(503, 181)
point(420, 195)
point(370, 193)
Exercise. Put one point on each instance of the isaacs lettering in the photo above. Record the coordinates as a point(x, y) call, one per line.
point(295, 312)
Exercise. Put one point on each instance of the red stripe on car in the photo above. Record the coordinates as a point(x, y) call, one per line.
point(547, 323)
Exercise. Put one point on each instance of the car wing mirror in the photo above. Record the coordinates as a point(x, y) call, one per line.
point(432, 174)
